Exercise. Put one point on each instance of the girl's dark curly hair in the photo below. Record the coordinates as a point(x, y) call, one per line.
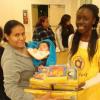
point(65, 18)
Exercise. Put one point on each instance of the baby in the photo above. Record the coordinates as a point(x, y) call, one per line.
point(43, 50)
point(43, 46)
point(43, 53)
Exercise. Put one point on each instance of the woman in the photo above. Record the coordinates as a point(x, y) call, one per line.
point(43, 31)
point(17, 64)
point(63, 31)
point(2, 93)
point(85, 52)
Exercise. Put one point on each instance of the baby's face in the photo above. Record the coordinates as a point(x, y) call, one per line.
point(43, 47)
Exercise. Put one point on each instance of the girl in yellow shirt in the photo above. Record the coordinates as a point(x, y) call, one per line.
point(85, 51)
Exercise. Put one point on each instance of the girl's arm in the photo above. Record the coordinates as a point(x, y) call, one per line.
point(95, 80)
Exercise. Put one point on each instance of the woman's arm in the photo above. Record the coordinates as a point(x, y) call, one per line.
point(36, 35)
point(11, 80)
point(59, 39)
point(70, 39)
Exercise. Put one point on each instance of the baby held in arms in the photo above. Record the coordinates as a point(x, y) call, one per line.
point(43, 53)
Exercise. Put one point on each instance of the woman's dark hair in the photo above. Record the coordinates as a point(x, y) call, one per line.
point(65, 18)
point(41, 20)
point(1, 34)
point(9, 26)
point(94, 36)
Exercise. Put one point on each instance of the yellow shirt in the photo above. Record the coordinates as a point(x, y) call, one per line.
point(80, 61)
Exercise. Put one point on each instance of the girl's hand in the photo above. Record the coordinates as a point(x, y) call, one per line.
point(80, 86)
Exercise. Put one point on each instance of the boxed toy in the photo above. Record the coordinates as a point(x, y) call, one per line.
point(58, 74)
point(58, 79)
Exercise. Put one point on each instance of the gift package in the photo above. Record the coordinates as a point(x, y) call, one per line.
point(60, 80)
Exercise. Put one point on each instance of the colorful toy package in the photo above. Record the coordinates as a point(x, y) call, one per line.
point(58, 79)
point(50, 75)
point(57, 74)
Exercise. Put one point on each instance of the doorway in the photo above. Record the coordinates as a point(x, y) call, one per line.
point(53, 11)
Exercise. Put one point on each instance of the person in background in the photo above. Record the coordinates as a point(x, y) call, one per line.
point(17, 64)
point(84, 48)
point(2, 90)
point(43, 30)
point(63, 31)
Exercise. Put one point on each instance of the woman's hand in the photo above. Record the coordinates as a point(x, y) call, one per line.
point(48, 97)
